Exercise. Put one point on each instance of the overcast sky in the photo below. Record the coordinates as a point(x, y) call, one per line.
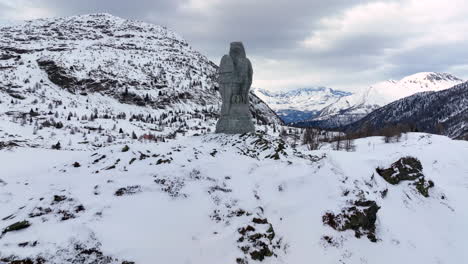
point(343, 44)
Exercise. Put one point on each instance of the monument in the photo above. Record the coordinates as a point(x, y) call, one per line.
point(235, 78)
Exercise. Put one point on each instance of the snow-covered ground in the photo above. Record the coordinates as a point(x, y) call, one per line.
point(192, 200)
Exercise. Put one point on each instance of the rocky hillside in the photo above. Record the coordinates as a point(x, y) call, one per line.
point(444, 112)
point(300, 104)
point(59, 75)
point(351, 108)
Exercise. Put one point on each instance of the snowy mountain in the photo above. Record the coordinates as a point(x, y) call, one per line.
point(300, 104)
point(444, 112)
point(354, 107)
point(108, 157)
point(60, 75)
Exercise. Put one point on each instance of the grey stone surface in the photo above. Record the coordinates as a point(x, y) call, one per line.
point(235, 79)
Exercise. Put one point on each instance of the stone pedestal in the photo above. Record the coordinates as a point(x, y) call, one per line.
point(235, 125)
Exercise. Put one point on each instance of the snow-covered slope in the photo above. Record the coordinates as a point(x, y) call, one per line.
point(300, 104)
point(352, 108)
point(231, 199)
point(58, 75)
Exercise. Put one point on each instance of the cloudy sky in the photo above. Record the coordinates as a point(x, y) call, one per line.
point(343, 44)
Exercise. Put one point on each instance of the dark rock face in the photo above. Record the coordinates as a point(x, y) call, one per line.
point(129, 190)
point(360, 218)
point(8, 56)
point(17, 226)
point(423, 186)
point(12, 260)
point(58, 75)
point(77, 254)
point(407, 169)
point(8, 144)
point(235, 78)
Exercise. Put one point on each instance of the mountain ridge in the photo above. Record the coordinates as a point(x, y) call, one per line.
point(351, 108)
point(438, 112)
point(301, 103)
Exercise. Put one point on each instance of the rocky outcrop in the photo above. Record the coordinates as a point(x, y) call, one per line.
point(407, 169)
point(360, 217)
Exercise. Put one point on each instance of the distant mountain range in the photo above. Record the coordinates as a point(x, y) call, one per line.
point(442, 112)
point(328, 108)
point(300, 104)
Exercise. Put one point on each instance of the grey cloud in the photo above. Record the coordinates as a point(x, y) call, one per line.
point(5, 10)
point(266, 26)
point(430, 58)
point(123, 8)
point(274, 30)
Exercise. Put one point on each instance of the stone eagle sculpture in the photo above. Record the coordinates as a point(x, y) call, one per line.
point(235, 78)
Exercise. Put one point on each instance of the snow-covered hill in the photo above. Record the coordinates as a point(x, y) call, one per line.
point(300, 104)
point(92, 75)
point(235, 199)
point(351, 108)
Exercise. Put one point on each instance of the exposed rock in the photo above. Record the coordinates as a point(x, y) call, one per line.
point(405, 169)
point(171, 186)
point(77, 253)
point(58, 75)
point(13, 260)
point(17, 226)
point(28, 244)
point(162, 161)
point(129, 190)
point(8, 145)
point(360, 218)
point(257, 241)
point(59, 198)
point(125, 148)
point(423, 186)
point(40, 211)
